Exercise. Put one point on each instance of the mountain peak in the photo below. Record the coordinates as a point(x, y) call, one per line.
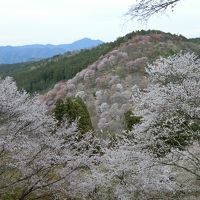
point(16, 54)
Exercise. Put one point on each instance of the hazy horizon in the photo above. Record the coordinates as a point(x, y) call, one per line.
point(31, 44)
point(26, 22)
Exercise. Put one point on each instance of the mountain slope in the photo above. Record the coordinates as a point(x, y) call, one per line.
point(17, 54)
point(107, 85)
point(41, 75)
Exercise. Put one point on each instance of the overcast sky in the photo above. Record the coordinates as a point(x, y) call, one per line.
point(64, 21)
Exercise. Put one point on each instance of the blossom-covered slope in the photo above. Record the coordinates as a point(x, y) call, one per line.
point(107, 85)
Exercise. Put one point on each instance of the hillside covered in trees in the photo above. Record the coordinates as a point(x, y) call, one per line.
point(58, 156)
point(120, 121)
point(42, 75)
point(107, 85)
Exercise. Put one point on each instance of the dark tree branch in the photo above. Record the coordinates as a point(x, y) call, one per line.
point(144, 9)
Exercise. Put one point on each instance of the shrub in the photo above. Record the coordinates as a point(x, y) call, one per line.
point(130, 120)
point(74, 109)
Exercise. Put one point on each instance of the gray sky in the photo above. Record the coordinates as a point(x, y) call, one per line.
point(64, 21)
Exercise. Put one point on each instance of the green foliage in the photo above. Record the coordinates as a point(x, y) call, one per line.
point(130, 120)
point(176, 139)
point(195, 126)
point(16, 194)
point(59, 110)
point(195, 40)
point(182, 138)
point(74, 109)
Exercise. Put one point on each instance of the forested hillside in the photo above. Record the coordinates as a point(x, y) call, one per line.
point(42, 75)
point(107, 85)
point(120, 121)
point(124, 126)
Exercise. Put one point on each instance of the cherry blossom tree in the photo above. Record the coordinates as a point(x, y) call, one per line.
point(37, 157)
point(158, 159)
point(170, 110)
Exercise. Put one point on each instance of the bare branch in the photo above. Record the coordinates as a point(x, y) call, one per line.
point(143, 10)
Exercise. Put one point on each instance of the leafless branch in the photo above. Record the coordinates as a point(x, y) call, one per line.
point(144, 9)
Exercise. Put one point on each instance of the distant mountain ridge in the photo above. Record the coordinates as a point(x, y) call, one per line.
point(17, 54)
